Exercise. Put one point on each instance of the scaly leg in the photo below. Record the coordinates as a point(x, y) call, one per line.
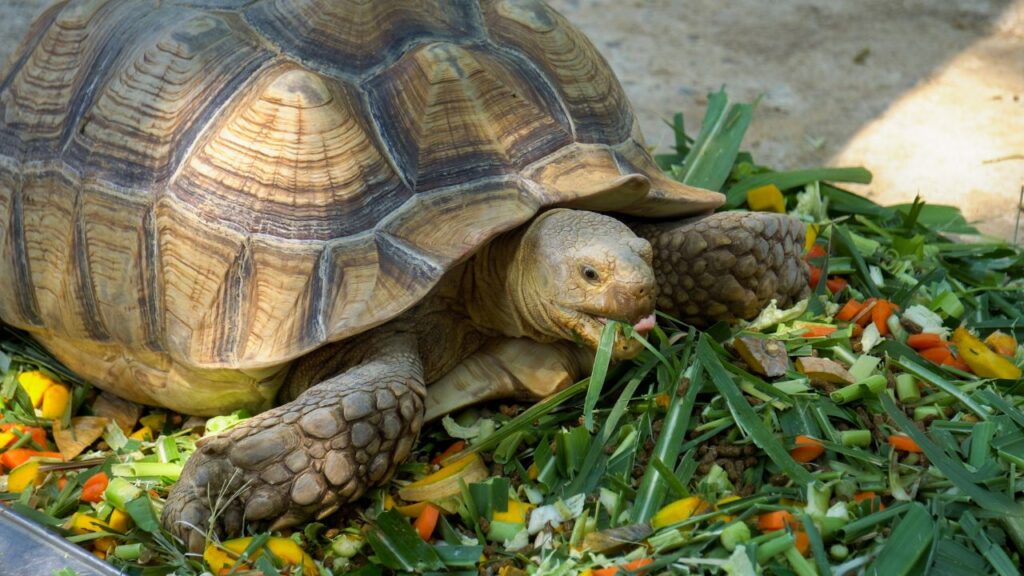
point(304, 459)
point(509, 368)
point(728, 265)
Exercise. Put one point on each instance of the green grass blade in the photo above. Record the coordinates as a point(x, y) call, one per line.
point(710, 159)
point(957, 474)
point(745, 416)
point(907, 545)
point(602, 359)
point(737, 193)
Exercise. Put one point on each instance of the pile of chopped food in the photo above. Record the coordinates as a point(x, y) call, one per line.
point(874, 428)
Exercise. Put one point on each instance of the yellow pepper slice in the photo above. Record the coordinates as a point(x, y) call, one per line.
point(35, 383)
point(766, 198)
point(983, 362)
point(24, 476)
point(55, 400)
point(445, 482)
point(224, 556)
point(680, 510)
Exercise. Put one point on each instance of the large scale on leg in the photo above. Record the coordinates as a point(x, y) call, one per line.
point(201, 200)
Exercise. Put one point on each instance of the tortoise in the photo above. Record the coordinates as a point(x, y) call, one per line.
point(327, 206)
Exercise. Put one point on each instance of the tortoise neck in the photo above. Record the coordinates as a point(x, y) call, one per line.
point(497, 291)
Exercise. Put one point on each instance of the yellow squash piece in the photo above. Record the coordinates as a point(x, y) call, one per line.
point(6, 439)
point(24, 476)
point(224, 556)
point(35, 383)
point(766, 198)
point(516, 513)
point(55, 400)
point(445, 482)
point(80, 523)
point(726, 500)
point(812, 236)
point(680, 510)
point(983, 362)
point(154, 421)
point(143, 434)
point(120, 521)
point(1002, 343)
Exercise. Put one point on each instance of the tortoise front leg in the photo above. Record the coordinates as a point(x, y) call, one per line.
point(728, 265)
point(304, 459)
point(517, 368)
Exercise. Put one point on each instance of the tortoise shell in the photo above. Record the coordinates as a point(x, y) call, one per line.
point(229, 184)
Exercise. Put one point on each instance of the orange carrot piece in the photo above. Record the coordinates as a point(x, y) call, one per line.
point(958, 363)
point(870, 496)
point(849, 310)
point(455, 447)
point(836, 285)
point(938, 355)
point(807, 449)
point(775, 520)
point(817, 251)
point(38, 434)
point(863, 318)
point(92, 490)
point(818, 331)
point(803, 543)
point(14, 458)
point(633, 566)
point(881, 313)
point(427, 521)
point(62, 482)
point(904, 444)
point(814, 277)
point(924, 341)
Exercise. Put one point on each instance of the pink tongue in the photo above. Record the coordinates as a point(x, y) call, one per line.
point(646, 325)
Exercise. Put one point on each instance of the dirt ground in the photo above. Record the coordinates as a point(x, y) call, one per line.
point(928, 94)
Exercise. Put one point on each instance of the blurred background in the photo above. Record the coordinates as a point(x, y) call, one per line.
point(927, 94)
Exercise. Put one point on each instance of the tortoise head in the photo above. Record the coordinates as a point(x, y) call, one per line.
point(576, 270)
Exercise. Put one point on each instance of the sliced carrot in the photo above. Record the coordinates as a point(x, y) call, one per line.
point(455, 447)
point(904, 444)
point(863, 318)
point(803, 543)
point(14, 458)
point(92, 490)
point(870, 496)
point(938, 355)
point(62, 482)
point(816, 251)
point(427, 521)
point(633, 567)
point(806, 449)
point(38, 434)
point(857, 331)
point(818, 331)
point(836, 285)
point(815, 276)
point(924, 341)
point(849, 310)
point(958, 363)
point(776, 520)
point(879, 315)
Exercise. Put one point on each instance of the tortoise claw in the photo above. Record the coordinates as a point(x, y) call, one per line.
point(290, 464)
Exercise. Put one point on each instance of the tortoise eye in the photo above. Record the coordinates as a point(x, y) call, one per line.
point(590, 274)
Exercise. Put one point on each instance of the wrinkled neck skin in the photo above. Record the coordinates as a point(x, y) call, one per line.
point(499, 296)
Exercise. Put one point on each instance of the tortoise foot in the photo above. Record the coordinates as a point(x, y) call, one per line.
point(302, 460)
point(727, 266)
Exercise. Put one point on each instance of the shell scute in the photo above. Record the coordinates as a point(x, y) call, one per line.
point(456, 115)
